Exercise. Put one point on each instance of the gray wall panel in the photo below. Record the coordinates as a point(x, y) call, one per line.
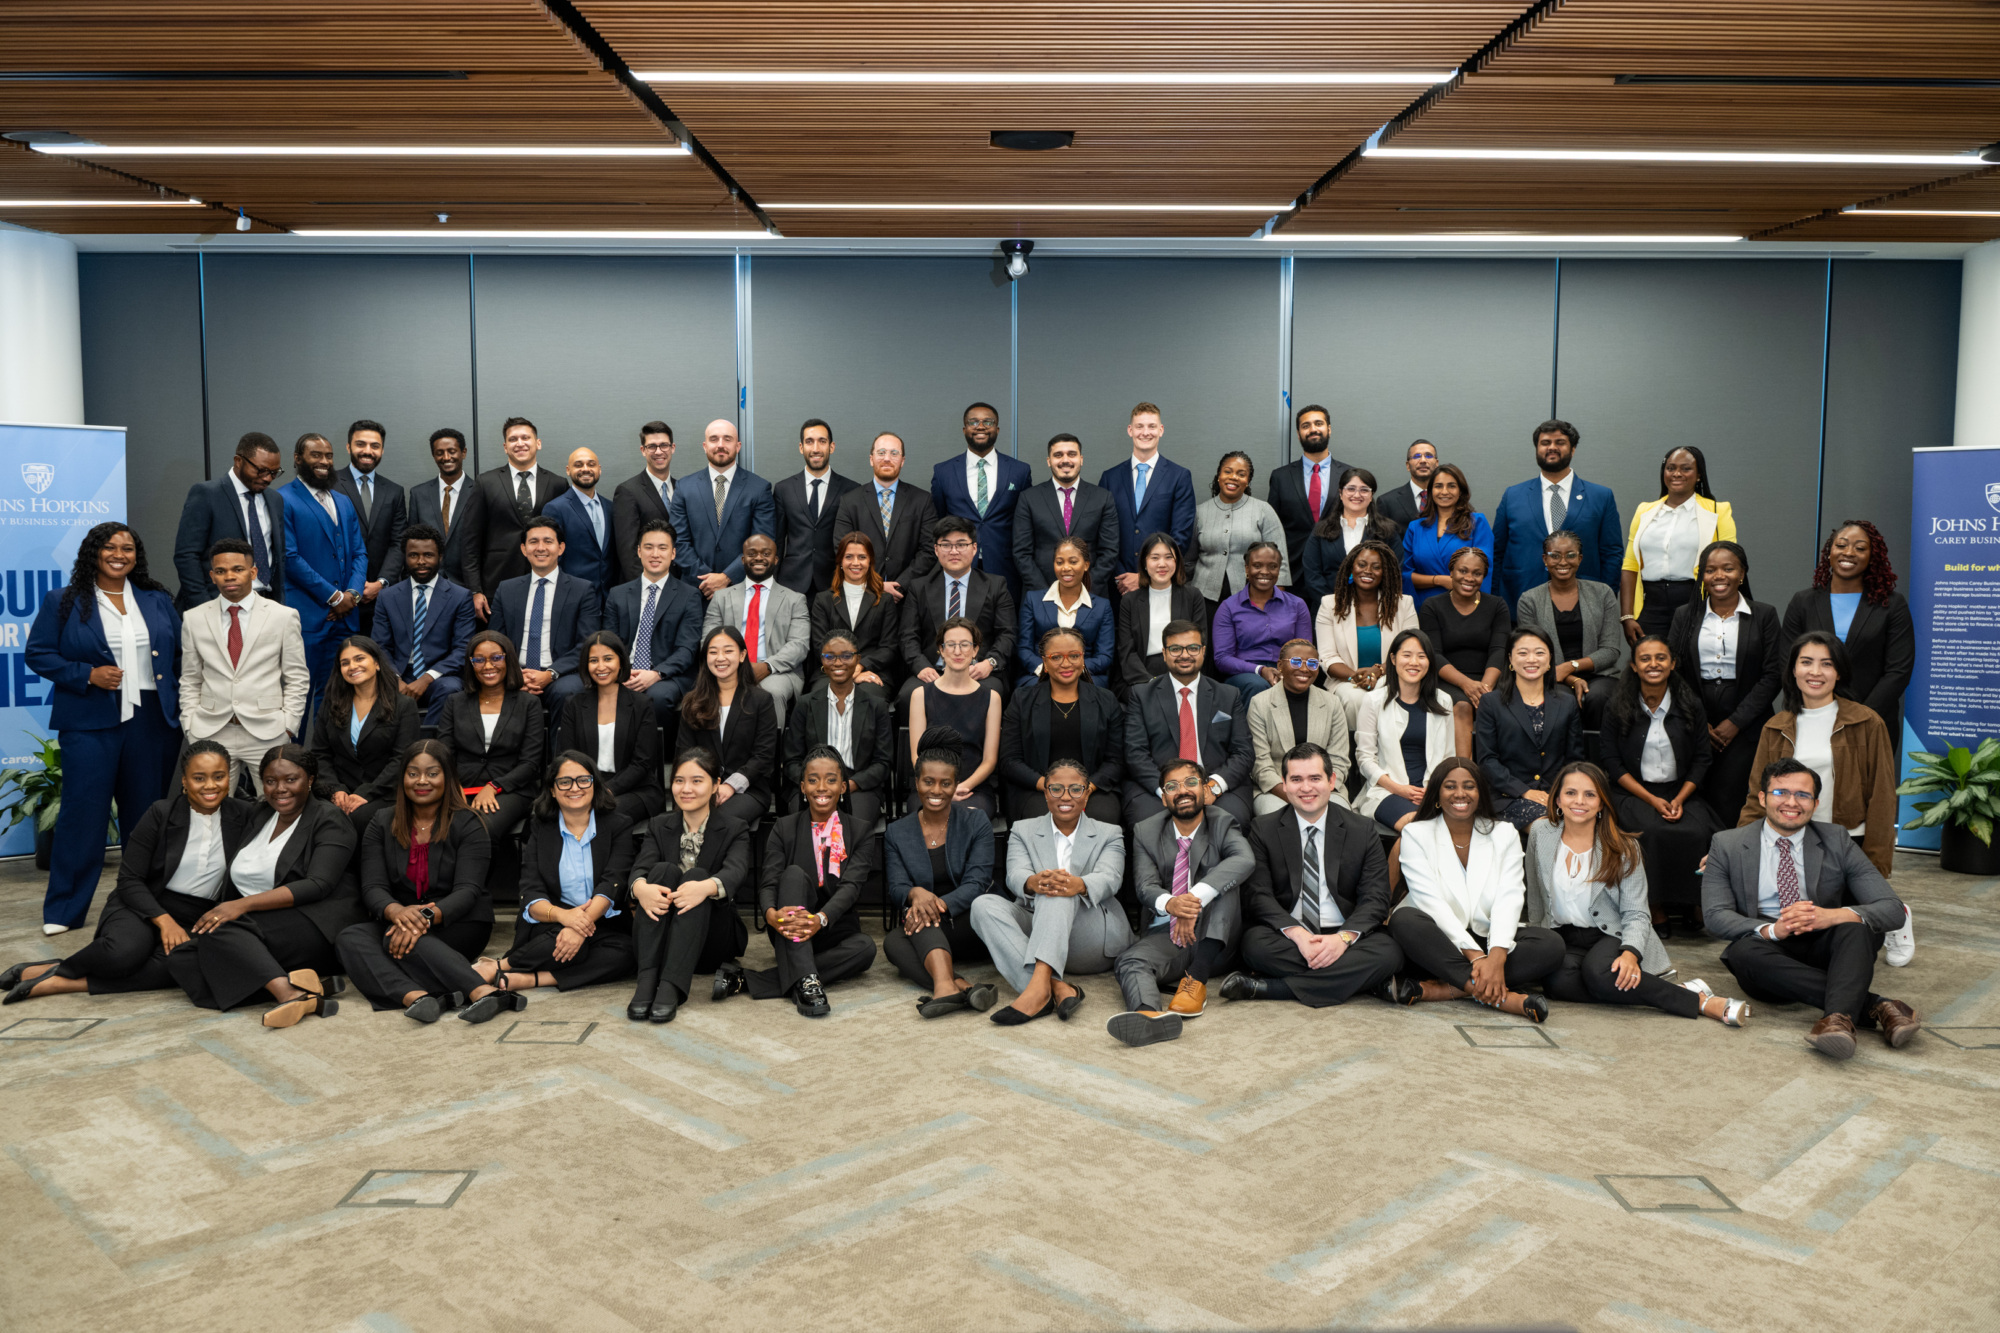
point(142, 370)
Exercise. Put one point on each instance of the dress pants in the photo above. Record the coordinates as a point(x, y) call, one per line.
point(1729, 777)
point(1071, 936)
point(439, 963)
point(1141, 805)
point(1367, 963)
point(503, 829)
point(840, 951)
point(747, 807)
point(1672, 851)
point(605, 956)
point(1828, 969)
point(1153, 962)
point(784, 687)
point(665, 695)
point(1429, 953)
point(438, 695)
point(1584, 976)
point(952, 933)
point(669, 951)
point(641, 804)
point(364, 815)
point(131, 764)
point(231, 964)
point(125, 955)
point(1663, 598)
point(246, 753)
point(557, 694)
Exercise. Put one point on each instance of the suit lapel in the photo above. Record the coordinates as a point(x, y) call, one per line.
point(1295, 858)
point(1815, 857)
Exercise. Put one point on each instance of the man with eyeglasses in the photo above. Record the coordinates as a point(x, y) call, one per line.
point(240, 506)
point(807, 504)
point(1186, 715)
point(1065, 506)
point(984, 486)
point(1291, 715)
point(659, 617)
point(774, 621)
point(1804, 911)
point(643, 497)
point(955, 588)
point(1404, 503)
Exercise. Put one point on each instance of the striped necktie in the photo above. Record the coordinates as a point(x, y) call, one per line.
point(418, 614)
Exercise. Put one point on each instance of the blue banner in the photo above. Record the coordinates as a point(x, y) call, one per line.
point(1954, 591)
point(56, 483)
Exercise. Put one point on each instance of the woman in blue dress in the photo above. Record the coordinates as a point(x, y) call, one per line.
point(1449, 524)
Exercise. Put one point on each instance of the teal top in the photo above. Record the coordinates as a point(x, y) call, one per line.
point(1368, 645)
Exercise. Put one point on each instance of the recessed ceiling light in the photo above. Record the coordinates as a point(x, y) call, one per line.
point(1669, 155)
point(1264, 209)
point(360, 150)
point(102, 203)
point(1511, 238)
point(1138, 78)
point(1926, 212)
point(463, 233)
point(1031, 141)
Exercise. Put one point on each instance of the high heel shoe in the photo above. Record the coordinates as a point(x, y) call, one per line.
point(291, 1012)
point(494, 1003)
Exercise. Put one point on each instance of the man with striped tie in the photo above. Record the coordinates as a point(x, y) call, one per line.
point(425, 622)
point(659, 618)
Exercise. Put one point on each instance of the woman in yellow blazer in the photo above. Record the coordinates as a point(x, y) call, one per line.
point(1668, 536)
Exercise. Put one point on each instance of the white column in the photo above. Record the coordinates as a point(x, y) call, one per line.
point(41, 336)
point(1978, 421)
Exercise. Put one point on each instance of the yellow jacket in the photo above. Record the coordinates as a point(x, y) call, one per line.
point(1716, 522)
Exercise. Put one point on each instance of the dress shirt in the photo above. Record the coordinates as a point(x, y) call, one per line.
point(728, 478)
point(1256, 634)
point(453, 491)
point(1352, 532)
point(991, 461)
point(825, 483)
point(548, 619)
point(1571, 893)
point(430, 609)
point(131, 648)
point(1656, 757)
point(1767, 871)
point(1326, 496)
point(1814, 749)
point(1417, 494)
point(356, 720)
point(888, 492)
point(664, 485)
point(255, 869)
point(199, 875)
point(840, 725)
point(763, 615)
point(1203, 890)
point(1568, 488)
point(1670, 542)
point(325, 499)
point(1065, 845)
point(593, 509)
point(576, 873)
point(514, 476)
point(1065, 615)
point(1843, 605)
point(258, 515)
point(1159, 610)
point(1716, 642)
point(1066, 493)
point(1331, 918)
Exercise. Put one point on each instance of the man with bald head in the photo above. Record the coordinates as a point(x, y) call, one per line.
point(586, 521)
point(716, 510)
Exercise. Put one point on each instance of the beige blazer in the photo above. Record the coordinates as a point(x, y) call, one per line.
point(1336, 638)
point(1271, 735)
point(1378, 745)
point(266, 690)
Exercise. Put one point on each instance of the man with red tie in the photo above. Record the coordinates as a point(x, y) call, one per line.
point(244, 680)
point(775, 621)
point(1301, 491)
point(1186, 715)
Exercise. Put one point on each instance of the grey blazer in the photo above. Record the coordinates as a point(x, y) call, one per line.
point(1270, 715)
point(1223, 533)
point(1218, 856)
point(1603, 638)
point(784, 616)
point(1837, 874)
point(1620, 910)
point(1098, 858)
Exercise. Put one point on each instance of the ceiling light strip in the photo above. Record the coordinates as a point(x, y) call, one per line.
point(102, 203)
point(471, 233)
point(359, 150)
point(1923, 212)
point(1509, 238)
point(1670, 155)
point(1057, 78)
point(1264, 210)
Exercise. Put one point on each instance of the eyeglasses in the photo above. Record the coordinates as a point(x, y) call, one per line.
point(836, 657)
point(982, 421)
point(584, 783)
point(1179, 649)
point(1064, 659)
point(263, 473)
point(656, 448)
point(1296, 662)
point(1068, 789)
point(954, 546)
point(490, 659)
point(1181, 785)
point(1787, 794)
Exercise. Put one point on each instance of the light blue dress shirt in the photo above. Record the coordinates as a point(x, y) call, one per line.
point(576, 874)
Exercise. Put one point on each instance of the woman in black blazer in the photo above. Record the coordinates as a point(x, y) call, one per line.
point(424, 868)
point(939, 859)
point(1666, 810)
point(1327, 548)
point(576, 929)
point(690, 864)
point(496, 732)
point(871, 732)
point(359, 767)
point(727, 715)
point(873, 621)
point(1855, 581)
point(1140, 624)
point(162, 889)
point(1728, 647)
point(1526, 730)
point(1062, 716)
point(629, 765)
point(288, 893)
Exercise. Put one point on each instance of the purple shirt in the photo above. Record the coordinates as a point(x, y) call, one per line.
point(1247, 638)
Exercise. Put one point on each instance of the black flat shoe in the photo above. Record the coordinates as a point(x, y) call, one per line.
point(1535, 1007)
point(1242, 986)
point(1401, 990)
point(428, 1009)
point(1142, 1029)
point(1664, 929)
point(12, 976)
point(729, 980)
point(1011, 1017)
point(663, 1008)
point(491, 1005)
point(638, 1009)
point(983, 995)
point(20, 991)
point(936, 1006)
point(809, 998)
point(1065, 1008)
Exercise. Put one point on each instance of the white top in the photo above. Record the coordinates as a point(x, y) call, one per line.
point(1571, 894)
point(1331, 918)
point(1815, 750)
point(199, 875)
point(258, 515)
point(1670, 542)
point(1715, 645)
point(840, 726)
point(852, 592)
point(255, 869)
point(1482, 897)
point(1566, 487)
point(131, 648)
point(722, 718)
point(1066, 615)
point(1656, 758)
point(547, 636)
point(973, 462)
point(1352, 532)
point(1159, 610)
point(607, 747)
point(1767, 868)
point(488, 721)
point(1065, 843)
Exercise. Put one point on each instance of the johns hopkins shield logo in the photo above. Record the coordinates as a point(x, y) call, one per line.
point(40, 475)
point(1992, 494)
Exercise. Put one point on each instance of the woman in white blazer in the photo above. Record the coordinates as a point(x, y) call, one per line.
point(1357, 621)
point(1460, 927)
point(1401, 737)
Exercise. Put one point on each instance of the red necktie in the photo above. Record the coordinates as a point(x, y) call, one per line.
point(750, 620)
point(1189, 750)
point(1313, 494)
point(235, 635)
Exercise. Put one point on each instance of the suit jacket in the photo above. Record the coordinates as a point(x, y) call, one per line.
point(635, 741)
point(1339, 640)
point(210, 514)
point(904, 552)
point(1355, 872)
point(968, 856)
point(1487, 896)
point(784, 623)
point(318, 866)
point(153, 853)
point(513, 762)
point(874, 736)
point(1287, 494)
point(1864, 775)
point(1836, 874)
point(1520, 524)
point(1881, 647)
point(747, 745)
point(1098, 857)
point(612, 850)
point(1135, 626)
point(1218, 856)
point(1008, 482)
point(1378, 746)
point(703, 546)
point(425, 503)
point(578, 614)
point(382, 528)
point(63, 650)
point(1024, 735)
point(805, 543)
point(458, 866)
point(371, 766)
point(1760, 640)
point(322, 557)
point(1508, 753)
point(1271, 734)
point(1397, 503)
point(791, 844)
point(582, 556)
point(1621, 746)
point(1153, 731)
point(1603, 629)
point(1622, 910)
point(266, 690)
point(677, 615)
point(1169, 508)
point(988, 604)
point(1324, 556)
point(448, 626)
point(634, 504)
point(724, 856)
point(492, 552)
point(877, 631)
point(1097, 622)
point(1038, 526)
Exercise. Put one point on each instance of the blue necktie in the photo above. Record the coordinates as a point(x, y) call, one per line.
point(1139, 488)
point(532, 654)
point(258, 550)
point(417, 630)
point(642, 651)
point(596, 522)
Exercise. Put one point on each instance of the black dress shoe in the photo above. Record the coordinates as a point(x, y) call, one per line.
point(20, 991)
point(638, 1009)
point(1143, 1029)
point(982, 996)
point(1664, 929)
point(1401, 990)
point(1010, 1017)
point(428, 1009)
point(492, 1005)
point(1535, 1007)
point(809, 997)
point(729, 980)
point(1065, 1008)
point(1242, 986)
point(12, 976)
point(664, 1007)
point(937, 1006)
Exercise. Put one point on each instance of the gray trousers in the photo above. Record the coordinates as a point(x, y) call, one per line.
point(1155, 961)
point(784, 687)
point(1068, 934)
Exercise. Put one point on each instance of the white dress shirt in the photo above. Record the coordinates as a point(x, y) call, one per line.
point(1065, 844)
point(1573, 889)
point(1331, 918)
point(825, 483)
point(325, 499)
point(664, 485)
point(1567, 486)
point(199, 875)
point(514, 476)
point(991, 462)
point(455, 492)
point(131, 648)
point(1670, 542)
point(257, 515)
point(1715, 645)
point(840, 725)
point(1656, 757)
point(1066, 615)
point(1767, 869)
point(548, 653)
point(430, 673)
point(255, 869)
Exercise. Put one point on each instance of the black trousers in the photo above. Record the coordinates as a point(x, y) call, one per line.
point(1727, 785)
point(232, 963)
point(952, 933)
point(1827, 969)
point(125, 954)
point(749, 806)
point(503, 875)
point(1430, 953)
point(641, 804)
point(364, 815)
point(1368, 962)
point(1584, 976)
point(439, 963)
point(1672, 851)
point(671, 950)
point(840, 951)
point(1663, 598)
point(605, 956)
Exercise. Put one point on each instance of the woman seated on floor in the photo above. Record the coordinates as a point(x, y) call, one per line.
point(691, 861)
point(617, 727)
point(360, 732)
point(940, 860)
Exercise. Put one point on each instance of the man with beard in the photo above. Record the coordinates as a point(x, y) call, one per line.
point(715, 511)
point(326, 557)
point(983, 486)
point(1065, 506)
point(239, 506)
point(643, 497)
point(775, 623)
point(1404, 503)
point(897, 518)
point(1188, 862)
point(1301, 491)
point(1186, 715)
point(806, 504)
point(1557, 501)
point(586, 522)
point(383, 510)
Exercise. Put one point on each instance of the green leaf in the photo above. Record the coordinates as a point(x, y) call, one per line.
point(1961, 760)
point(1982, 829)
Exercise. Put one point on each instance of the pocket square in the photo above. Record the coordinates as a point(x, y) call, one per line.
point(1220, 717)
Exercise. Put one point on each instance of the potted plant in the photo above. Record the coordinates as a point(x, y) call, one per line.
point(35, 794)
point(1967, 804)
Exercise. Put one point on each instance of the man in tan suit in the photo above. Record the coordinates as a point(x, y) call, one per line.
point(244, 680)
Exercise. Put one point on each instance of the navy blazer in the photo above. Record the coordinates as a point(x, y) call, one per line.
point(949, 495)
point(321, 559)
point(64, 654)
point(582, 555)
point(382, 530)
point(703, 546)
point(448, 625)
point(968, 855)
point(1098, 624)
point(211, 514)
point(1169, 508)
point(577, 615)
point(1519, 525)
point(676, 624)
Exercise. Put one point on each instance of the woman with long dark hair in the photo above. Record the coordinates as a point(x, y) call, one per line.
point(857, 606)
point(1660, 573)
point(1404, 733)
point(110, 645)
point(1358, 620)
point(616, 727)
point(1449, 524)
point(1727, 646)
point(1063, 715)
point(1164, 596)
point(1468, 627)
point(1527, 730)
point(728, 716)
point(495, 731)
point(692, 860)
point(1853, 597)
point(939, 861)
point(1654, 743)
point(1340, 532)
point(363, 726)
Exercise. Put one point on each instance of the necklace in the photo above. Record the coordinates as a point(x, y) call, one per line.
point(1064, 713)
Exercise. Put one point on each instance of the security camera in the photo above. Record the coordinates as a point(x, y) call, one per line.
point(242, 220)
point(1017, 253)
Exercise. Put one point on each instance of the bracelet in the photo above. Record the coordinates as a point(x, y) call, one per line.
point(1622, 618)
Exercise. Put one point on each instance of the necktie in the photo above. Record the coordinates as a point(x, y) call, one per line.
point(1190, 749)
point(642, 651)
point(593, 508)
point(325, 499)
point(956, 606)
point(532, 654)
point(1139, 486)
point(1181, 932)
point(366, 490)
point(812, 505)
point(886, 502)
point(1068, 511)
point(1788, 875)
point(721, 494)
point(524, 499)
point(750, 619)
point(418, 614)
point(444, 509)
point(1312, 886)
point(980, 498)
point(235, 635)
point(666, 493)
point(1558, 511)
point(260, 551)
point(1313, 493)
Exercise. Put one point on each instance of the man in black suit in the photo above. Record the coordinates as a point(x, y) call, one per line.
point(1404, 501)
point(1301, 491)
point(1186, 715)
point(642, 498)
point(509, 495)
point(1316, 899)
point(447, 502)
point(658, 615)
point(382, 507)
point(1057, 508)
point(241, 506)
point(902, 552)
point(983, 599)
point(547, 614)
point(807, 506)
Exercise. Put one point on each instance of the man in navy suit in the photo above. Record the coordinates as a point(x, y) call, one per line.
point(326, 558)
point(1557, 501)
point(1301, 491)
point(547, 614)
point(807, 503)
point(382, 507)
point(642, 497)
point(983, 486)
point(714, 511)
point(1152, 494)
point(587, 525)
point(239, 506)
point(659, 618)
point(424, 623)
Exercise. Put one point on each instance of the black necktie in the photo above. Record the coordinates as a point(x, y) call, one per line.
point(524, 498)
point(814, 502)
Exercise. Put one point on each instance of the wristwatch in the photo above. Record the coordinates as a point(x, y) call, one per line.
point(821, 918)
point(1350, 935)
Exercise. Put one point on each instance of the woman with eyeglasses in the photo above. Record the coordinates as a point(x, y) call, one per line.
point(970, 708)
point(1227, 525)
point(1067, 604)
point(1290, 715)
point(1340, 532)
point(1579, 616)
point(859, 724)
point(729, 717)
point(495, 731)
point(617, 728)
point(1164, 596)
point(1062, 716)
point(692, 859)
point(1468, 627)
point(1358, 619)
point(1728, 647)
point(360, 732)
point(1448, 525)
point(857, 607)
point(1527, 731)
point(1405, 732)
point(1656, 754)
point(939, 860)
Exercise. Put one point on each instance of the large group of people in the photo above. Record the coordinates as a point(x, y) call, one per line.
point(1330, 742)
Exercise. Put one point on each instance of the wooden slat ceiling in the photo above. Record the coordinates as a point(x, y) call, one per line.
point(1979, 192)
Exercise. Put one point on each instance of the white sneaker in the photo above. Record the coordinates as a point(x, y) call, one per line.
point(50, 928)
point(1901, 944)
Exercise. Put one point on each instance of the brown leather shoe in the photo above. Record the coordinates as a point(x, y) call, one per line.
point(1833, 1035)
point(1190, 999)
point(1897, 1020)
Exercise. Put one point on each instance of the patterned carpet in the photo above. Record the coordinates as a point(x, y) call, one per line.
point(746, 1169)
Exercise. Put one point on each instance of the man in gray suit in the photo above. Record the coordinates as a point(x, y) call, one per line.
point(1188, 862)
point(1804, 911)
point(244, 681)
point(779, 633)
